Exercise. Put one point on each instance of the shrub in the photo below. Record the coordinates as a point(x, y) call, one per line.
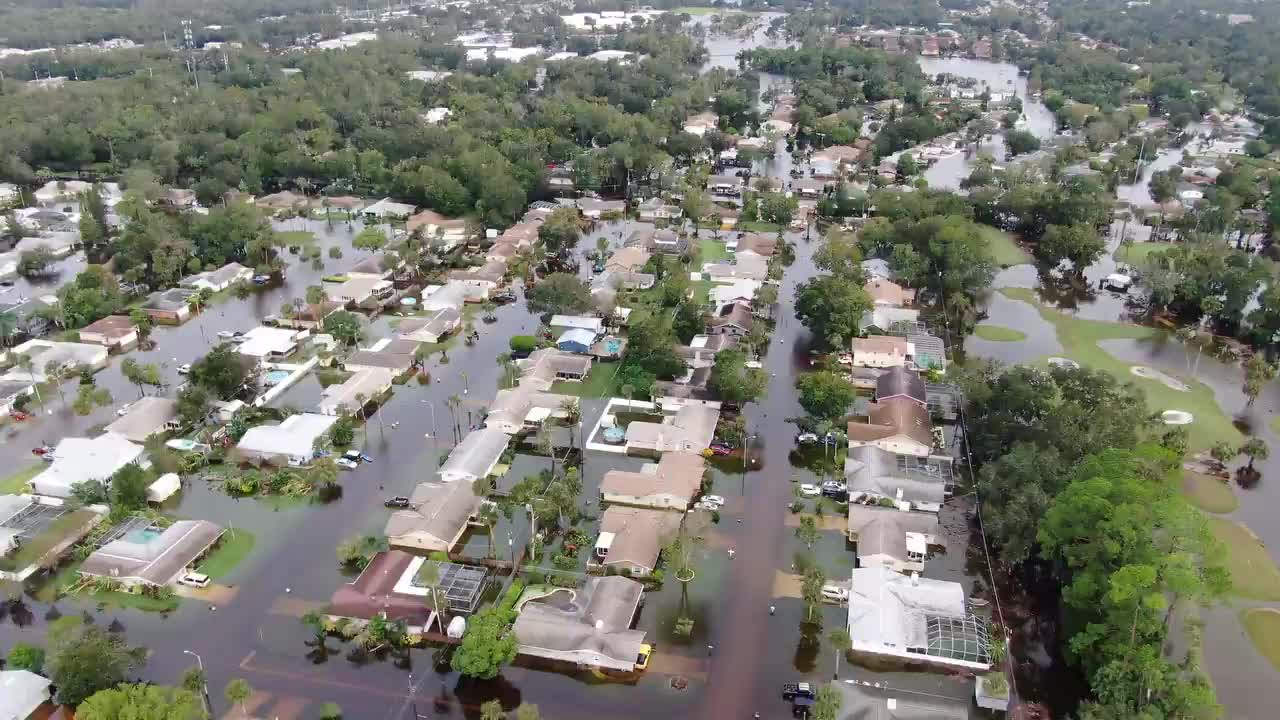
point(523, 343)
point(564, 562)
point(335, 252)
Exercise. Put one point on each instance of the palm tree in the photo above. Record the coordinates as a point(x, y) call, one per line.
point(545, 446)
point(315, 296)
point(8, 328)
point(508, 369)
point(429, 575)
point(492, 710)
point(26, 363)
point(842, 643)
point(489, 518)
point(52, 372)
point(237, 692)
point(453, 403)
point(572, 416)
point(1256, 449)
point(627, 390)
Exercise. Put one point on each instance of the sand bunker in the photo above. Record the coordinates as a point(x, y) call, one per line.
point(1061, 362)
point(1147, 373)
point(1176, 417)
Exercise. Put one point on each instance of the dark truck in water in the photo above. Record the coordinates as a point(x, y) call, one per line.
point(791, 691)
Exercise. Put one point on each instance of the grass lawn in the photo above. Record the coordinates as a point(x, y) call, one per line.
point(711, 250)
point(17, 483)
point(999, 333)
point(757, 226)
point(234, 546)
point(68, 577)
point(136, 601)
point(1263, 626)
point(1136, 253)
point(1004, 249)
point(1275, 424)
point(303, 238)
point(1253, 575)
point(598, 383)
point(1208, 493)
point(1079, 340)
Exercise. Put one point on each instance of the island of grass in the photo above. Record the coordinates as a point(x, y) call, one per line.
point(999, 333)
point(1263, 626)
point(1136, 253)
point(1253, 574)
point(1209, 493)
point(1080, 338)
point(233, 547)
point(20, 482)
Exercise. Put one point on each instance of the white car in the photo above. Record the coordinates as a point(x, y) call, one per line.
point(194, 579)
point(808, 490)
point(184, 368)
point(713, 499)
point(346, 464)
point(124, 409)
point(226, 334)
point(832, 593)
point(807, 438)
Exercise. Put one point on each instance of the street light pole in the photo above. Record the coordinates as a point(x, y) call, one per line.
point(204, 684)
point(435, 434)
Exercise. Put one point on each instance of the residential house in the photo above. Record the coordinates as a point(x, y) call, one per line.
point(523, 235)
point(308, 316)
point(485, 278)
point(391, 587)
point(735, 319)
point(592, 631)
point(450, 296)
point(11, 390)
point(77, 460)
point(661, 240)
point(889, 319)
point(283, 202)
point(392, 354)
point(702, 349)
point(879, 701)
point(725, 217)
point(915, 619)
point(576, 340)
point(899, 425)
point(722, 295)
point(726, 185)
point(669, 484)
point(655, 210)
point(114, 332)
point(292, 442)
point(270, 343)
point(594, 209)
point(349, 396)
point(9, 195)
point(61, 191)
point(365, 292)
point(146, 417)
point(60, 243)
point(891, 537)
point(628, 259)
point(220, 279)
point(836, 161)
point(437, 517)
point(370, 267)
point(440, 231)
point(544, 367)
point(22, 694)
point(746, 265)
point(690, 429)
point(475, 457)
point(48, 356)
point(387, 209)
point(169, 307)
point(701, 123)
point(753, 242)
point(922, 481)
point(631, 539)
point(560, 323)
point(155, 558)
point(886, 292)
point(178, 199)
point(523, 408)
point(432, 329)
point(881, 351)
point(899, 383)
point(436, 115)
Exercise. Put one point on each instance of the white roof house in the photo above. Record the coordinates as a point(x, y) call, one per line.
point(21, 693)
point(450, 296)
point(577, 322)
point(594, 630)
point(63, 356)
point(474, 457)
point(153, 558)
point(220, 279)
point(436, 115)
point(386, 208)
point(269, 342)
point(369, 383)
point(690, 429)
point(147, 416)
point(77, 460)
point(916, 619)
point(292, 441)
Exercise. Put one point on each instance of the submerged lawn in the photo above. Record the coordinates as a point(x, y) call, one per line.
point(1080, 339)
point(1253, 574)
point(1263, 626)
point(232, 549)
point(1004, 249)
point(599, 383)
point(999, 333)
point(1209, 493)
point(18, 483)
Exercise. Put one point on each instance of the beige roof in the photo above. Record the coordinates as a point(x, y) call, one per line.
point(638, 534)
point(883, 531)
point(628, 259)
point(111, 327)
point(539, 370)
point(431, 217)
point(759, 243)
point(146, 417)
point(886, 344)
point(736, 314)
point(889, 292)
point(677, 473)
point(895, 416)
point(839, 153)
point(513, 405)
point(594, 629)
point(153, 559)
point(436, 518)
point(690, 429)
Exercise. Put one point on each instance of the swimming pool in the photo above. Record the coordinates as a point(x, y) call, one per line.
point(275, 377)
point(142, 536)
point(613, 346)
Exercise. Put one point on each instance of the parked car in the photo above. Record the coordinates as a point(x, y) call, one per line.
point(124, 409)
point(642, 660)
point(720, 449)
point(194, 579)
point(352, 455)
point(365, 458)
point(713, 500)
point(261, 279)
point(835, 594)
point(791, 691)
point(42, 450)
point(19, 415)
point(226, 334)
point(184, 368)
point(346, 464)
point(398, 501)
point(807, 438)
point(808, 490)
